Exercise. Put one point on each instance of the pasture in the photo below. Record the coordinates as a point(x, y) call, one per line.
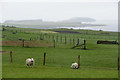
point(97, 61)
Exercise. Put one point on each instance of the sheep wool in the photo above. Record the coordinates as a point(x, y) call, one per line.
point(30, 62)
point(74, 65)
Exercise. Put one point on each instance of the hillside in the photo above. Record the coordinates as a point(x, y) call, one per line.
point(73, 22)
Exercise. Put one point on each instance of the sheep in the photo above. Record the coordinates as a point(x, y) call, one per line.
point(74, 65)
point(30, 62)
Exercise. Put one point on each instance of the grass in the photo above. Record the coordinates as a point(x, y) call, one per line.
point(57, 72)
point(98, 61)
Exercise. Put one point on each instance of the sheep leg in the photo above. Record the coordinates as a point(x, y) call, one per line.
point(28, 65)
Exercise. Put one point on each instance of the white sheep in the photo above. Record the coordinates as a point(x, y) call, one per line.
point(30, 62)
point(75, 65)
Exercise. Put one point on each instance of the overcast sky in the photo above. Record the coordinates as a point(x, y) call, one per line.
point(59, 0)
point(100, 10)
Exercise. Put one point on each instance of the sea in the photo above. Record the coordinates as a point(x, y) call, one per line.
point(96, 28)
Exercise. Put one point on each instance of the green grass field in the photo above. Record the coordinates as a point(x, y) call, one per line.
point(97, 61)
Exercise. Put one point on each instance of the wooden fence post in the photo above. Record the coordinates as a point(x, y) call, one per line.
point(43, 36)
point(118, 63)
point(53, 37)
point(78, 61)
point(37, 37)
point(84, 44)
point(23, 43)
point(49, 40)
point(54, 43)
point(44, 58)
point(78, 42)
point(73, 42)
point(40, 36)
point(70, 40)
point(61, 39)
point(57, 38)
point(11, 56)
point(30, 39)
point(65, 39)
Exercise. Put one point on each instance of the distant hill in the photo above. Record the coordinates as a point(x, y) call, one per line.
point(73, 22)
point(23, 21)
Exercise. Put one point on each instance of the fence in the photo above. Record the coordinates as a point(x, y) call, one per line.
point(55, 39)
point(86, 34)
point(41, 39)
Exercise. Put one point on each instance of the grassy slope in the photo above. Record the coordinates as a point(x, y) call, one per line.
point(98, 61)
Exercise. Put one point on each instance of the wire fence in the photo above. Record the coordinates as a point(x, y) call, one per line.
point(53, 39)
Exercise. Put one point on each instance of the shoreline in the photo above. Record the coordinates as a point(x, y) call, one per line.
point(74, 28)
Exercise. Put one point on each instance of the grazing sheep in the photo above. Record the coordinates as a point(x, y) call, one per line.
point(30, 62)
point(74, 65)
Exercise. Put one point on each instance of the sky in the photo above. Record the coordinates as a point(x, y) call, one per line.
point(104, 11)
point(59, 0)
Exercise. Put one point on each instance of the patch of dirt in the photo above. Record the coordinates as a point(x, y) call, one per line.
point(26, 43)
point(4, 51)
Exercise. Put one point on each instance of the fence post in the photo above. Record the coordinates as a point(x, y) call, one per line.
point(44, 58)
point(30, 39)
point(11, 56)
point(43, 36)
point(40, 36)
point(46, 36)
point(70, 40)
point(118, 63)
point(54, 43)
point(78, 61)
point(78, 42)
point(61, 39)
point(57, 38)
point(65, 39)
point(53, 37)
point(73, 42)
point(49, 40)
point(84, 44)
point(23, 43)
point(37, 37)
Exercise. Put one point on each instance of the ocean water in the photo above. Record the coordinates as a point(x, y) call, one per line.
point(97, 28)
point(111, 25)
